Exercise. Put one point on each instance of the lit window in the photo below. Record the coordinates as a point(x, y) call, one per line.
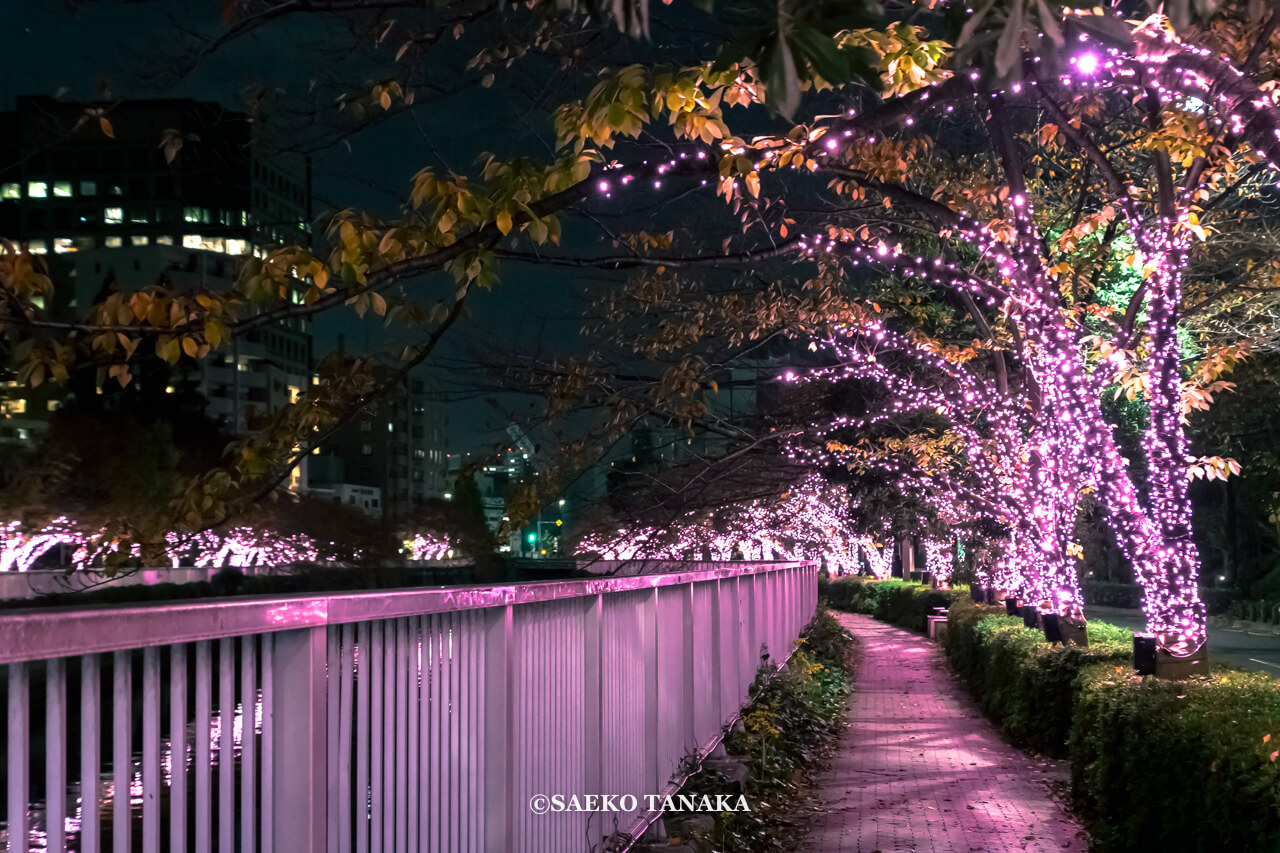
point(62, 244)
point(213, 244)
point(54, 405)
point(23, 434)
point(115, 189)
point(82, 243)
point(191, 241)
point(38, 247)
point(38, 302)
point(193, 214)
point(237, 247)
point(88, 188)
point(62, 189)
point(419, 453)
point(164, 240)
point(294, 391)
point(10, 190)
point(391, 427)
point(37, 189)
point(138, 217)
point(365, 449)
point(114, 242)
point(138, 240)
point(13, 407)
point(244, 217)
point(113, 215)
point(366, 426)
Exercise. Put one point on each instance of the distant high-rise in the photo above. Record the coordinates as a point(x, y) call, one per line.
point(174, 171)
point(140, 192)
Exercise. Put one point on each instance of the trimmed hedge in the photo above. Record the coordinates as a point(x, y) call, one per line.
point(1155, 765)
point(1020, 681)
point(1178, 765)
point(900, 603)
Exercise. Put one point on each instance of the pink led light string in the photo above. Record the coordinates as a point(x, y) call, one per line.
point(810, 522)
point(241, 547)
point(1004, 466)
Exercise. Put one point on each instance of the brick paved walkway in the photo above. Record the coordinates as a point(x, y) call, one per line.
point(919, 768)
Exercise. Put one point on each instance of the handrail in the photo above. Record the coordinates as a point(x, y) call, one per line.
point(54, 632)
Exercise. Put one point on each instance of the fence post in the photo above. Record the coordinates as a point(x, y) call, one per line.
point(299, 730)
point(649, 648)
point(499, 701)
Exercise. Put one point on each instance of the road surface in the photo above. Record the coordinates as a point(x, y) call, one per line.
point(1232, 646)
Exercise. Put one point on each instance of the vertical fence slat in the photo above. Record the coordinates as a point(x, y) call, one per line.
point(299, 749)
point(19, 756)
point(475, 734)
point(90, 752)
point(453, 814)
point(375, 723)
point(268, 743)
point(499, 649)
point(55, 772)
point(412, 721)
point(226, 745)
point(346, 677)
point(333, 656)
point(121, 749)
point(151, 749)
point(363, 731)
point(248, 743)
point(402, 735)
point(388, 689)
point(204, 743)
point(178, 748)
point(426, 758)
point(435, 802)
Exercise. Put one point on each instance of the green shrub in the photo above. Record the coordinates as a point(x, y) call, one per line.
point(1155, 765)
point(794, 715)
point(1020, 681)
point(1178, 765)
point(907, 605)
point(850, 594)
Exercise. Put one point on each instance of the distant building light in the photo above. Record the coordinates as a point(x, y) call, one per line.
point(37, 189)
point(11, 190)
point(562, 502)
point(37, 247)
point(191, 241)
point(113, 215)
point(164, 240)
point(139, 240)
point(113, 242)
point(448, 496)
point(168, 389)
point(237, 247)
point(62, 245)
point(62, 189)
point(88, 188)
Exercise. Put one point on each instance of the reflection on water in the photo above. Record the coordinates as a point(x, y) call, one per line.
point(37, 814)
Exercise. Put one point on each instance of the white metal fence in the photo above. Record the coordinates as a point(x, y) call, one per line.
point(408, 720)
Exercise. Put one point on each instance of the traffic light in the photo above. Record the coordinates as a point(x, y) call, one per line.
point(533, 537)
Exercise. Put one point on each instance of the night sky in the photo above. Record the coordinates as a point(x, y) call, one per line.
point(73, 50)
